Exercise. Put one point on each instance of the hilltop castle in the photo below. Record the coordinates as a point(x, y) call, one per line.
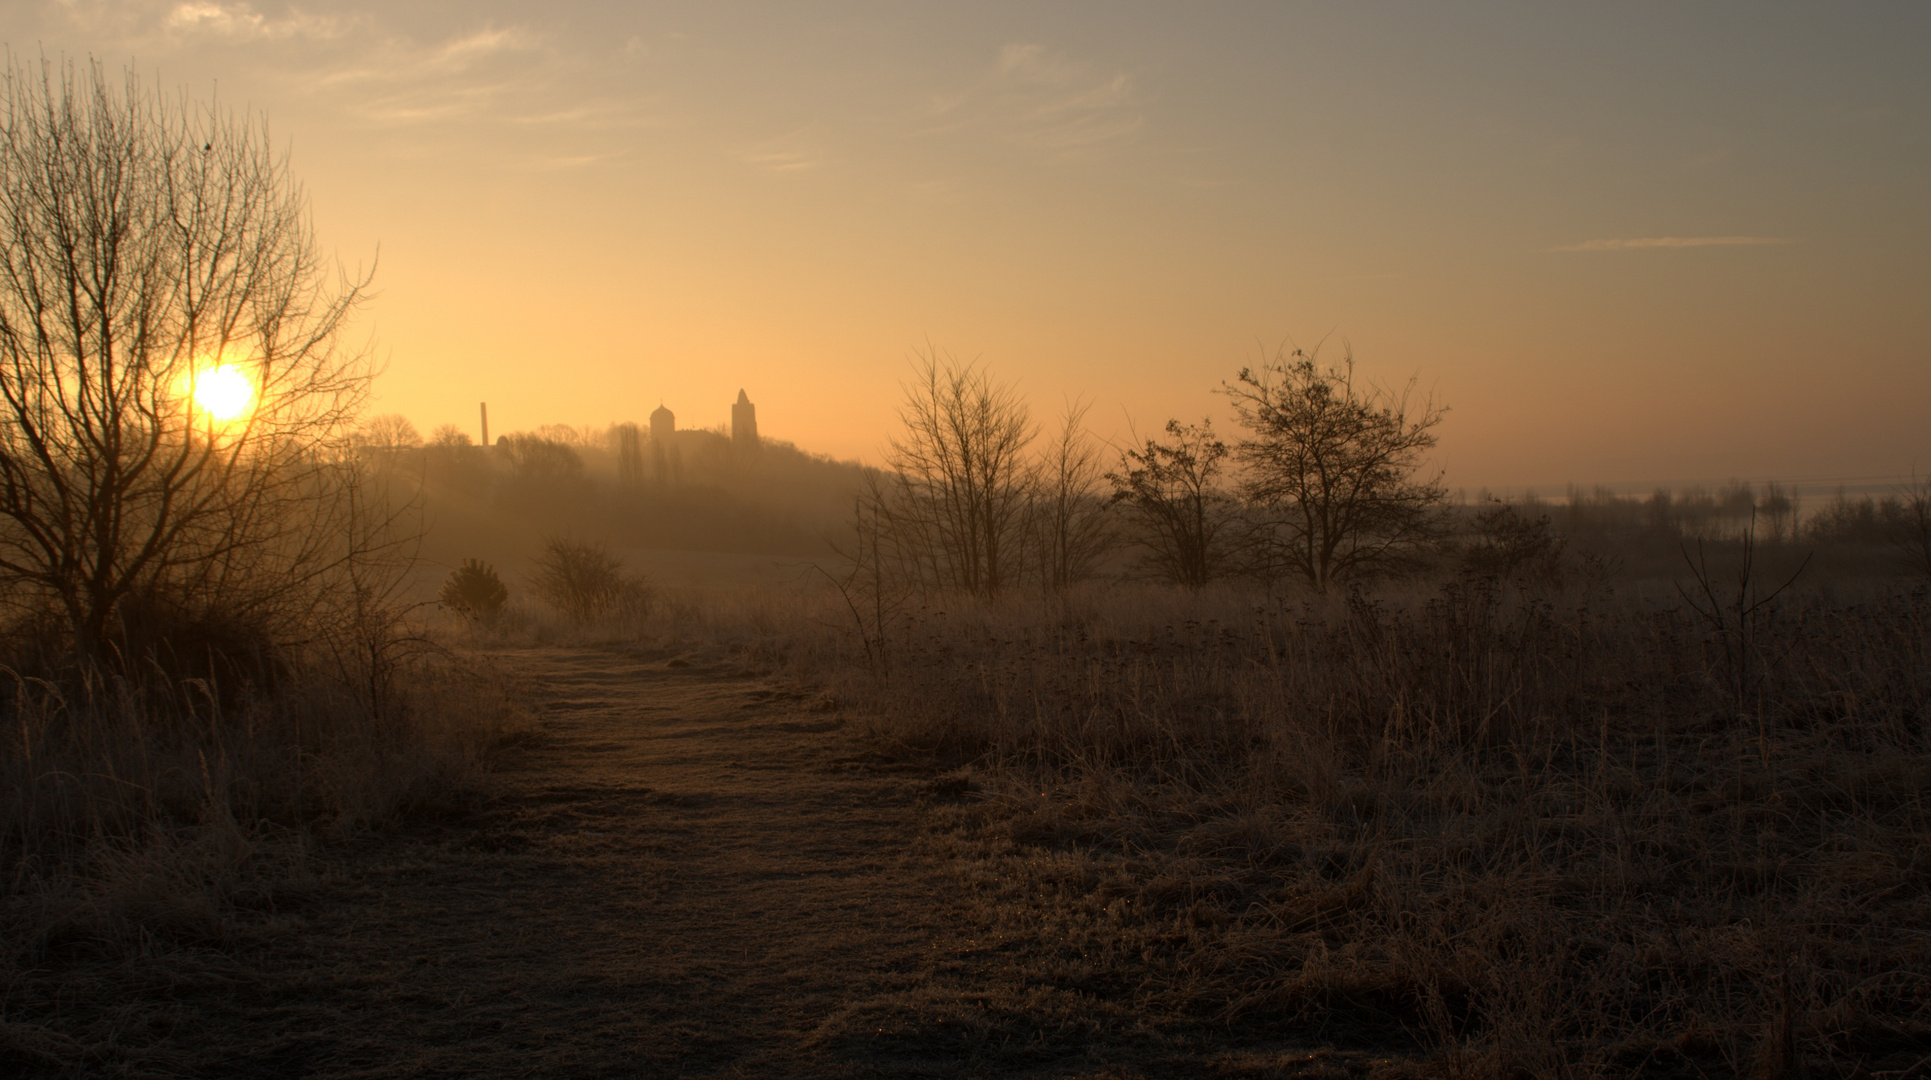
point(663, 436)
point(744, 424)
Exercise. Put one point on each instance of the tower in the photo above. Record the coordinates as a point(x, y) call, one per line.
point(744, 424)
point(663, 448)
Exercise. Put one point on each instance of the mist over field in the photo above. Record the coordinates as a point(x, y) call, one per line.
point(1066, 540)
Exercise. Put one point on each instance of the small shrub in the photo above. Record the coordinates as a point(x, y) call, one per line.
point(474, 590)
point(1508, 544)
point(585, 582)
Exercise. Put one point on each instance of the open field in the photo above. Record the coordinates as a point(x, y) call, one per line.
point(1457, 829)
point(689, 872)
point(1515, 834)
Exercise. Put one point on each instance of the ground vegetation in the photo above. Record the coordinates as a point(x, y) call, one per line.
point(584, 581)
point(1502, 822)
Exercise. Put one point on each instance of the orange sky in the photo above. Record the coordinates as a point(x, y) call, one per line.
point(1650, 243)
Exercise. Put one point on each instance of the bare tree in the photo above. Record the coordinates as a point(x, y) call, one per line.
point(1334, 464)
point(390, 431)
point(585, 581)
point(958, 505)
point(1069, 513)
point(629, 442)
point(577, 438)
point(1909, 530)
point(171, 386)
point(542, 480)
point(1172, 491)
point(878, 579)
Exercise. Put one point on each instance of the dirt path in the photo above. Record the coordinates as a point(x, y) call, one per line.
point(688, 874)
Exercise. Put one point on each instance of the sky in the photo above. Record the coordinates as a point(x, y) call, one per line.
point(1626, 244)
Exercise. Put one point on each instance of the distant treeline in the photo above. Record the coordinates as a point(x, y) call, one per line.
point(1862, 534)
point(695, 491)
point(1326, 485)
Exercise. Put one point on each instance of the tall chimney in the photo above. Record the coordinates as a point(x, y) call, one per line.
point(485, 423)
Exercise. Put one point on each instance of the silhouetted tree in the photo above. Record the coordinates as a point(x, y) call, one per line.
point(1909, 530)
point(541, 476)
point(1333, 465)
point(584, 581)
point(390, 431)
point(962, 482)
point(154, 252)
point(1844, 520)
point(629, 440)
point(1069, 518)
point(1172, 492)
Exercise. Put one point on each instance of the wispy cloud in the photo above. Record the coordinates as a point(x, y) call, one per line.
point(458, 54)
point(499, 71)
point(354, 60)
point(563, 162)
point(796, 151)
point(241, 22)
point(1048, 99)
point(1643, 242)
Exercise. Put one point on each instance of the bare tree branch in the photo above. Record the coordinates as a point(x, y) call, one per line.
point(172, 390)
point(1334, 463)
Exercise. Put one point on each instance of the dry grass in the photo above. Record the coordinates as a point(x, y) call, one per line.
point(1515, 834)
point(138, 813)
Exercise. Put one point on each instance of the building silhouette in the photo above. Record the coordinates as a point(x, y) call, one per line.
point(744, 424)
point(663, 448)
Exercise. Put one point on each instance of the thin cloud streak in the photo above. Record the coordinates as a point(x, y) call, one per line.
point(1043, 98)
point(1641, 243)
point(242, 23)
point(793, 152)
point(492, 73)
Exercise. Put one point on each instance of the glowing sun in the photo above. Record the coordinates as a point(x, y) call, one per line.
point(223, 392)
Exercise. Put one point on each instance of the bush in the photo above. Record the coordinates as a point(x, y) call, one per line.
point(1507, 544)
point(585, 582)
point(474, 590)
